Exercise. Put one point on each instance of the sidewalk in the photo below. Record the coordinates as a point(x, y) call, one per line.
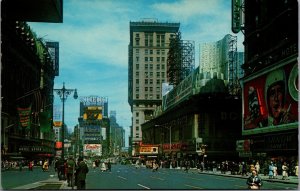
point(290, 180)
point(52, 183)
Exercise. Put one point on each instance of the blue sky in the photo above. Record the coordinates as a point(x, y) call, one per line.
point(94, 38)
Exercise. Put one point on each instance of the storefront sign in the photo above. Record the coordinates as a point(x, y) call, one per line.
point(148, 150)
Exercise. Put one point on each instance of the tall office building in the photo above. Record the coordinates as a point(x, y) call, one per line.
point(147, 69)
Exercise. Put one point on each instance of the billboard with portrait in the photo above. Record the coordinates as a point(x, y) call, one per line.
point(271, 100)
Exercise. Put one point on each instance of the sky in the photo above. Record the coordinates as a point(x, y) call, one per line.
point(94, 38)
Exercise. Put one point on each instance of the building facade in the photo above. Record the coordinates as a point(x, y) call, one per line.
point(27, 79)
point(147, 69)
point(270, 86)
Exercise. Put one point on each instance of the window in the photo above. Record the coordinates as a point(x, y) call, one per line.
point(137, 114)
point(157, 96)
point(146, 74)
point(162, 66)
point(146, 81)
point(151, 51)
point(137, 74)
point(146, 51)
point(151, 89)
point(151, 59)
point(137, 51)
point(151, 67)
point(151, 81)
point(158, 52)
point(137, 66)
point(163, 59)
point(137, 42)
point(137, 35)
point(146, 59)
point(158, 89)
point(158, 67)
point(137, 81)
point(146, 66)
point(157, 81)
point(137, 96)
point(157, 74)
point(151, 74)
point(162, 74)
point(163, 52)
point(137, 128)
point(137, 121)
point(146, 96)
point(137, 58)
point(146, 89)
point(158, 59)
point(137, 89)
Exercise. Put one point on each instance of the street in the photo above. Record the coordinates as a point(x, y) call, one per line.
point(128, 177)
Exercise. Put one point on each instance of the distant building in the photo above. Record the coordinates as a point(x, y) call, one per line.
point(147, 67)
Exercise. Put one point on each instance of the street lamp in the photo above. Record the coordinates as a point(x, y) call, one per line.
point(170, 141)
point(63, 94)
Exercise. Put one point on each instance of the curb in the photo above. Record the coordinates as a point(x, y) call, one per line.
point(243, 177)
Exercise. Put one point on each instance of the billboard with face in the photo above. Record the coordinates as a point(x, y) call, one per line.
point(271, 100)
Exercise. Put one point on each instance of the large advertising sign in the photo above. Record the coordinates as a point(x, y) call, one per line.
point(92, 150)
point(271, 100)
point(92, 133)
point(92, 113)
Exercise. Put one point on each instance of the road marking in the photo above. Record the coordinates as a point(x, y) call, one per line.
point(241, 186)
point(193, 186)
point(194, 178)
point(122, 177)
point(143, 186)
point(156, 178)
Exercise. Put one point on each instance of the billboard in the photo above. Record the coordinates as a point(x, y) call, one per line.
point(148, 150)
point(271, 100)
point(92, 113)
point(92, 150)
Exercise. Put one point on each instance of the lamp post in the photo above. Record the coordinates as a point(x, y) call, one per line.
point(170, 139)
point(63, 94)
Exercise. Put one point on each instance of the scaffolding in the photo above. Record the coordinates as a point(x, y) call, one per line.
point(233, 83)
point(181, 59)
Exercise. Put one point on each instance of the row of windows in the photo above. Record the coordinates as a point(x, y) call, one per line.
point(150, 74)
point(160, 40)
point(148, 96)
point(137, 89)
point(150, 59)
point(150, 51)
point(150, 81)
point(150, 66)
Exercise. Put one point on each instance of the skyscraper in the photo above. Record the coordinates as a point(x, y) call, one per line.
point(147, 69)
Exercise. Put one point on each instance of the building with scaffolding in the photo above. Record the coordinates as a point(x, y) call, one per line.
point(181, 59)
point(221, 60)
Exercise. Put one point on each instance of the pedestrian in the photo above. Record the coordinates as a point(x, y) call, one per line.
point(254, 182)
point(30, 165)
point(285, 171)
point(275, 171)
point(70, 171)
point(20, 165)
point(109, 166)
point(81, 171)
point(271, 170)
point(61, 169)
point(257, 167)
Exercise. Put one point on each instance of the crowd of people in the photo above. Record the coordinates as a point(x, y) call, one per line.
point(72, 171)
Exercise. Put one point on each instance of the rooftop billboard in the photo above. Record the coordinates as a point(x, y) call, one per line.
point(271, 100)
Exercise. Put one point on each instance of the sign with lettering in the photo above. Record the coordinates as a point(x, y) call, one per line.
point(148, 150)
point(94, 100)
